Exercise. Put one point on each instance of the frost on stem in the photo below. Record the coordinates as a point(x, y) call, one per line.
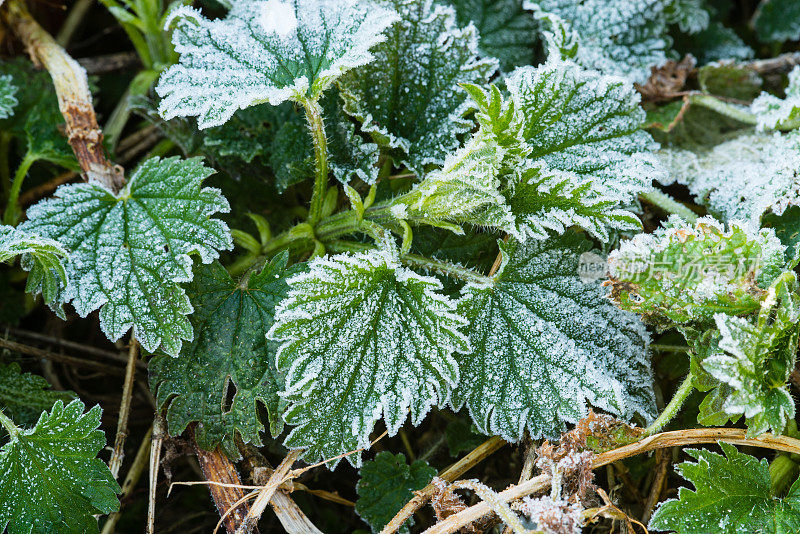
point(265, 51)
point(363, 338)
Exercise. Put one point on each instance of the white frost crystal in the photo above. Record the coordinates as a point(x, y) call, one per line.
point(773, 112)
point(130, 250)
point(265, 51)
point(363, 338)
point(8, 99)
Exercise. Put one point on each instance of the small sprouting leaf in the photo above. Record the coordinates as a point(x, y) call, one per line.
point(8, 99)
point(777, 20)
point(731, 496)
point(620, 37)
point(129, 250)
point(749, 362)
point(364, 338)
point(507, 30)
point(409, 99)
point(265, 51)
point(229, 358)
point(387, 483)
point(683, 273)
point(587, 156)
point(743, 178)
point(42, 257)
point(25, 396)
point(52, 479)
point(691, 16)
point(773, 112)
point(545, 344)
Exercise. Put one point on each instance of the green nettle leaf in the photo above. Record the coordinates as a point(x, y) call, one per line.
point(741, 179)
point(621, 37)
point(387, 483)
point(248, 134)
point(545, 344)
point(52, 479)
point(265, 51)
point(130, 250)
point(348, 154)
point(691, 16)
point(409, 99)
point(732, 496)
point(25, 396)
point(750, 362)
point(363, 337)
point(777, 20)
point(507, 30)
point(8, 99)
point(715, 43)
point(773, 112)
point(42, 257)
point(683, 273)
point(587, 156)
point(229, 358)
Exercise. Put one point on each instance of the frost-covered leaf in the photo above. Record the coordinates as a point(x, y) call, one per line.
point(715, 43)
point(249, 133)
point(683, 273)
point(587, 158)
point(777, 20)
point(220, 377)
point(545, 344)
point(749, 361)
point(731, 496)
point(744, 178)
point(23, 396)
point(42, 257)
point(408, 99)
point(773, 112)
point(387, 483)
point(130, 250)
point(348, 154)
point(8, 99)
point(364, 338)
point(620, 37)
point(691, 16)
point(507, 30)
point(265, 51)
point(52, 479)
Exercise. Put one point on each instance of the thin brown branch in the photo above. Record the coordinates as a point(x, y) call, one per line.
point(674, 438)
point(159, 432)
point(35, 193)
point(58, 357)
point(74, 98)
point(131, 479)
point(124, 409)
point(778, 64)
point(481, 452)
point(663, 461)
point(279, 476)
point(110, 62)
point(216, 467)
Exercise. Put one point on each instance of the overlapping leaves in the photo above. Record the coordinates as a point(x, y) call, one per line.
point(773, 112)
point(23, 396)
point(129, 250)
point(265, 51)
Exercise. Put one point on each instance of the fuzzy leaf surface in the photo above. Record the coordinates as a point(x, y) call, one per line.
point(265, 51)
point(777, 20)
point(23, 396)
point(43, 259)
point(52, 479)
point(545, 344)
point(408, 99)
point(130, 250)
point(507, 30)
point(732, 493)
point(387, 483)
point(683, 273)
point(363, 338)
point(229, 356)
point(8, 99)
point(773, 112)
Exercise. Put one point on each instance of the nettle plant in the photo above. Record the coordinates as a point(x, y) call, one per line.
point(460, 175)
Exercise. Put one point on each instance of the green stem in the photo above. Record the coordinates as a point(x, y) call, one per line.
point(317, 128)
point(739, 113)
point(414, 260)
point(668, 204)
point(8, 424)
point(12, 211)
point(139, 86)
point(672, 408)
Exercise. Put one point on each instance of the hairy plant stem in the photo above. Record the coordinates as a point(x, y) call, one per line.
point(11, 213)
point(668, 204)
point(317, 128)
point(736, 112)
point(124, 409)
point(671, 410)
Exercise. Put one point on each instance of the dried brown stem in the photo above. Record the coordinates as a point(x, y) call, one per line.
point(35, 193)
point(74, 98)
point(481, 452)
point(663, 461)
point(778, 64)
point(159, 433)
point(131, 479)
point(124, 409)
point(277, 478)
point(58, 357)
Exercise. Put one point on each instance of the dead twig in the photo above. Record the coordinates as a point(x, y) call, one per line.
point(278, 477)
point(124, 409)
point(58, 357)
point(131, 479)
point(159, 432)
point(663, 461)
